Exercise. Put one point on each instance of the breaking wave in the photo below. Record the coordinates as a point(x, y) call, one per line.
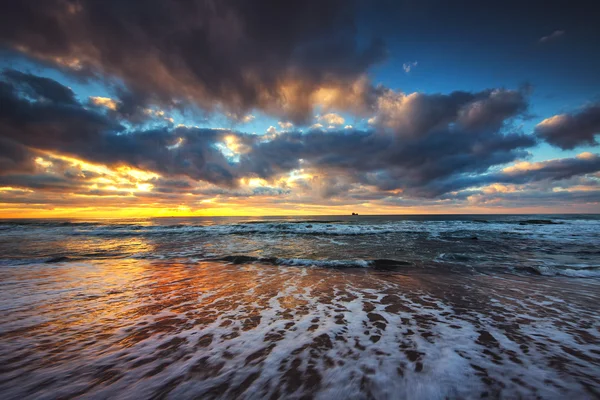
point(305, 262)
point(539, 245)
point(584, 272)
point(302, 227)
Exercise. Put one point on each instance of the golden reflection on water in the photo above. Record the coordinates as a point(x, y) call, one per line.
point(144, 329)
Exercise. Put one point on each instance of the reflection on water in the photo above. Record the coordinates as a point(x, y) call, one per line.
point(140, 329)
point(546, 245)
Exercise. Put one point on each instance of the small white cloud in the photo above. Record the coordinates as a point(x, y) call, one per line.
point(586, 155)
point(244, 119)
point(158, 114)
point(408, 66)
point(348, 127)
point(316, 126)
point(372, 121)
point(331, 119)
point(104, 102)
point(554, 35)
point(270, 134)
point(285, 125)
point(248, 118)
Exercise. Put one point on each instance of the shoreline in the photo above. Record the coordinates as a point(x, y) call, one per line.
point(141, 328)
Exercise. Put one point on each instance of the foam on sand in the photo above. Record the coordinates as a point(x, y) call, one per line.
point(138, 329)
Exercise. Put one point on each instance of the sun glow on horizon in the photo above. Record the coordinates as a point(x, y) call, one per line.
point(123, 191)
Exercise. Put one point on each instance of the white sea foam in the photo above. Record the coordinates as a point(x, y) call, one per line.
point(136, 330)
point(303, 262)
point(570, 272)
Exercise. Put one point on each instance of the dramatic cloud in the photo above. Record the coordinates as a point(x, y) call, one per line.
point(40, 88)
point(422, 145)
point(279, 57)
point(534, 197)
point(135, 81)
point(568, 131)
point(52, 125)
point(426, 146)
point(409, 115)
point(14, 157)
point(433, 148)
point(558, 169)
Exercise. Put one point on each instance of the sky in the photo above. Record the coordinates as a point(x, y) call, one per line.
point(152, 108)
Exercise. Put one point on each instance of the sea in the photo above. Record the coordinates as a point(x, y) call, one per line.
point(327, 307)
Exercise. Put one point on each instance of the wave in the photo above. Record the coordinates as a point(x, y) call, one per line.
point(519, 222)
point(322, 263)
point(8, 225)
point(586, 272)
point(539, 222)
point(59, 259)
point(582, 271)
point(325, 229)
point(317, 227)
point(306, 221)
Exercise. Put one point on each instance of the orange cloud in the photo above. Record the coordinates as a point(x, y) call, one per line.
point(104, 102)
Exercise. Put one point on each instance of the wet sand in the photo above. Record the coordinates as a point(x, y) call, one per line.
point(139, 329)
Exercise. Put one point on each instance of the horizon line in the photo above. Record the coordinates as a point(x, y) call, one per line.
point(293, 216)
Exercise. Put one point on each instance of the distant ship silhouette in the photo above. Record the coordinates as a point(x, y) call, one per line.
point(354, 213)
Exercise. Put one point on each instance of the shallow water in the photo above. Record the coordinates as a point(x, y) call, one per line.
point(143, 309)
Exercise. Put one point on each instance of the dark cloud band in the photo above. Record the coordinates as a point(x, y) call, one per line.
point(231, 54)
point(568, 131)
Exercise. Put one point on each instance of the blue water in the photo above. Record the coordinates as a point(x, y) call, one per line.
point(567, 245)
point(363, 307)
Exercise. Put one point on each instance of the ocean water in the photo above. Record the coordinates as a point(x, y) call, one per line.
point(384, 307)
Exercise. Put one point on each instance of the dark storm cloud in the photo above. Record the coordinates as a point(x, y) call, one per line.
point(568, 131)
point(40, 181)
point(558, 169)
point(235, 54)
point(162, 185)
point(14, 157)
point(431, 145)
point(412, 115)
point(38, 87)
point(154, 150)
point(551, 171)
point(51, 125)
point(47, 121)
point(569, 171)
point(537, 198)
point(128, 106)
point(430, 141)
point(490, 109)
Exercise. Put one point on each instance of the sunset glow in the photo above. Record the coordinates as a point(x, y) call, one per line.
point(310, 199)
point(101, 122)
